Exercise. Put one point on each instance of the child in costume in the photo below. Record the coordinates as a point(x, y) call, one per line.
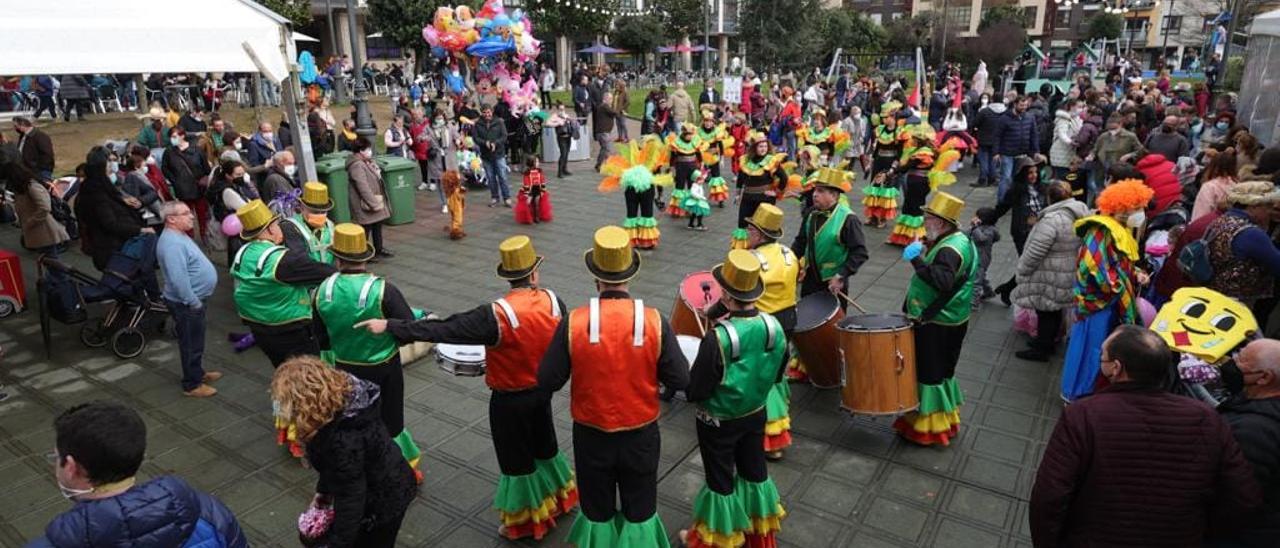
point(696, 202)
point(830, 140)
point(632, 169)
point(761, 179)
point(738, 131)
point(686, 156)
point(455, 200)
point(880, 202)
point(717, 144)
point(534, 203)
point(469, 165)
point(955, 129)
point(925, 170)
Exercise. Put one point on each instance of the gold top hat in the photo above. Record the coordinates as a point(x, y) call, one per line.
point(351, 244)
point(611, 258)
point(315, 196)
point(739, 275)
point(945, 206)
point(518, 258)
point(767, 218)
point(688, 127)
point(832, 178)
point(255, 217)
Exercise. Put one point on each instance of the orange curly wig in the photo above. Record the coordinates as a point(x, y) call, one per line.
point(1124, 195)
point(310, 393)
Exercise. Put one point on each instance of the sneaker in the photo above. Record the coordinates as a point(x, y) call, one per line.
point(211, 376)
point(202, 391)
point(507, 202)
point(444, 209)
point(431, 187)
point(773, 455)
point(493, 202)
point(424, 186)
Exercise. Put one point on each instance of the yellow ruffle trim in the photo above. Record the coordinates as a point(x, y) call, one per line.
point(876, 201)
point(909, 232)
point(773, 428)
point(768, 524)
point(717, 540)
point(544, 512)
point(934, 423)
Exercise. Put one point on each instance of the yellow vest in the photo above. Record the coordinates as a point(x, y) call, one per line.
point(779, 268)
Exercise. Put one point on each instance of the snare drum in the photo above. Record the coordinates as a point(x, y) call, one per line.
point(879, 365)
point(698, 290)
point(461, 359)
point(817, 339)
point(689, 347)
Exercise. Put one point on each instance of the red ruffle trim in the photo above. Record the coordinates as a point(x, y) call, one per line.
point(778, 442)
point(925, 438)
point(762, 541)
point(879, 212)
point(899, 239)
point(718, 196)
point(640, 243)
point(539, 529)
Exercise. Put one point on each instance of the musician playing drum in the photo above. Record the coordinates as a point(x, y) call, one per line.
point(830, 241)
point(515, 330)
point(780, 269)
point(938, 303)
point(353, 295)
point(738, 363)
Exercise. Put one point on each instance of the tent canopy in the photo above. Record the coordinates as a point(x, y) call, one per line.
point(1267, 23)
point(140, 36)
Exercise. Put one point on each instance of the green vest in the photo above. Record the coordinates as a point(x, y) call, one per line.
point(920, 294)
point(825, 251)
point(317, 245)
point(344, 300)
point(260, 298)
point(751, 350)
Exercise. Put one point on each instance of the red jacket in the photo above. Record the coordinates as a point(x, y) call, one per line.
point(420, 147)
point(1160, 177)
point(1138, 466)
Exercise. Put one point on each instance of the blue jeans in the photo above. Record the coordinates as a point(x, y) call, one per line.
point(789, 141)
point(986, 171)
point(1006, 176)
point(1097, 180)
point(189, 323)
point(495, 170)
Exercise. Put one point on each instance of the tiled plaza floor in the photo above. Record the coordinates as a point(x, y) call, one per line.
point(846, 481)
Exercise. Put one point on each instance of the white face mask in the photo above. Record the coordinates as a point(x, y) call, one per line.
point(175, 141)
point(368, 153)
point(246, 178)
point(1136, 219)
point(290, 170)
point(268, 136)
point(71, 493)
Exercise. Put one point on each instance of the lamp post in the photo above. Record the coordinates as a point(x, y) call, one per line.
point(340, 86)
point(706, 37)
point(1164, 23)
point(364, 123)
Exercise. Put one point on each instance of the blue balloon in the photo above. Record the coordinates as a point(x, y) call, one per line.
point(454, 80)
point(307, 64)
point(439, 52)
point(489, 47)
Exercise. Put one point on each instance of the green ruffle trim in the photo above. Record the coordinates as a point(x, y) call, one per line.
point(913, 221)
point(516, 493)
point(940, 398)
point(678, 195)
point(739, 234)
point(778, 403)
point(716, 182)
point(619, 533)
point(881, 191)
point(696, 206)
point(760, 500)
point(639, 222)
point(329, 357)
point(723, 514)
point(637, 178)
point(408, 447)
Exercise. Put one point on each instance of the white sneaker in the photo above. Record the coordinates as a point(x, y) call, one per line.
point(444, 209)
point(424, 186)
point(431, 186)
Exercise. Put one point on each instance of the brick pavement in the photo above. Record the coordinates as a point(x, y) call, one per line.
point(845, 481)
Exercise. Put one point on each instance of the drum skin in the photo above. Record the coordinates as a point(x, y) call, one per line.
point(689, 347)
point(461, 360)
point(880, 365)
point(817, 339)
point(685, 319)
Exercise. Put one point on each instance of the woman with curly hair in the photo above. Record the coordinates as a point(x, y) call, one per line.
point(363, 476)
point(1107, 281)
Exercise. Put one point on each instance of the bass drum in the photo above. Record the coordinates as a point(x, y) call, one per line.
point(698, 290)
point(879, 365)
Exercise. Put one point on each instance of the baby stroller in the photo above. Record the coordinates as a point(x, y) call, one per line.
point(128, 286)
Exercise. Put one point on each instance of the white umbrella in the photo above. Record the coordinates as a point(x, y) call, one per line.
point(299, 37)
point(375, 35)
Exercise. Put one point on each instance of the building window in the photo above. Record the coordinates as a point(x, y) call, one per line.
point(958, 17)
point(877, 18)
point(1173, 24)
point(1064, 18)
point(895, 16)
point(1029, 14)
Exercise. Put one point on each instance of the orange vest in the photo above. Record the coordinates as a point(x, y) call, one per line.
point(613, 350)
point(527, 319)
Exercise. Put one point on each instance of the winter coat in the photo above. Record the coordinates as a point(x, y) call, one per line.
point(369, 203)
point(162, 512)
point(363, 470)
point(682, 108)
point(421, 141)
point(106, 222)
point(1255, 424)
point(1017, 135)
point(275, 184)
point(259, 151)
point(183, 169)
point(37, 150)
point(1161, 179)
point(1046, 272)
point(1137, 466)
point(73, 88)
point(34, 209)
point(493, 131)
point(986, 123)
point(1088, 135)
point(1065, 127)
point(1211, 193)
point(136, 184)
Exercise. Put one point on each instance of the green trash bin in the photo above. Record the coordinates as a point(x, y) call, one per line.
point(332, 170)
point(399, 179)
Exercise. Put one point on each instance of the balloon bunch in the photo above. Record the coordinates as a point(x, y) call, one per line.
point(486, 33)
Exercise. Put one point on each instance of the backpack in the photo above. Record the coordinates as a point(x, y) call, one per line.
point(1193, 260)
point(61, 212)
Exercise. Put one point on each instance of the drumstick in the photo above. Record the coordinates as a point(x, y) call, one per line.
point(852, 302)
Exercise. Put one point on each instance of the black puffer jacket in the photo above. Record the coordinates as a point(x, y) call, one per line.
point(106, 222)
point(361, 468)
point(1256, 426)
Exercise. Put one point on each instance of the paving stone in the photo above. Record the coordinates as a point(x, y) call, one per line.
point(852, 466)
point(1010, 421)
point(954, 534)
point(999, 445)
point(832, 496)
point(867, 539)
point(980, 505)
point(468, 537)
point(990, 473)
point(465, 492)
point(896, 518)
point(805, 528)
point(912, 485)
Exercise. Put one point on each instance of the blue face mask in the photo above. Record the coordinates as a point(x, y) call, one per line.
point(1222, 126)
point(114, 178)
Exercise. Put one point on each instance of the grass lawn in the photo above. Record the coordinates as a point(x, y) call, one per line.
point(635, 98)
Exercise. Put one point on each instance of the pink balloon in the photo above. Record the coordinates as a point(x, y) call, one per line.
point(1146, 311)
point(431, 35)
point(231, 225)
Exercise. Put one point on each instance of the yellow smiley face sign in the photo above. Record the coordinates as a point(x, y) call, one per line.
point(1204, 323)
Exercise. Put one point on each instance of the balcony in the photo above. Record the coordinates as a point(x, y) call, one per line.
point(1136, 36)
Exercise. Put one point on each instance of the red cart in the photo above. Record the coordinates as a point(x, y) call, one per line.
point(13, 292)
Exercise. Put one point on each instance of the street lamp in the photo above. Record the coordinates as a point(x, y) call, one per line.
point(364, 122)
point(339, 87)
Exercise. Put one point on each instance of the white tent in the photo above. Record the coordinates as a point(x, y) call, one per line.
point(143, 36)
point(1259, 110)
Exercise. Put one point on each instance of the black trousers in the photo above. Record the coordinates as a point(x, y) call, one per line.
point(736, 444)
point(562, 142)
point(1048, 324)
point(374, 233)
point(639, 204)
point(280, 343)
point(522, 430)
point(749, 203)
point(380, 535)
point(613, 465)
point(938, 350)
point(389, 376)
point(683, 174)
point(46, 103)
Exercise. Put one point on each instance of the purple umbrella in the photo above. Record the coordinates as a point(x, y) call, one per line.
point(601, 48)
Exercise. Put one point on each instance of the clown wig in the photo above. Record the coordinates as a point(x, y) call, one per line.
point(1125, 195)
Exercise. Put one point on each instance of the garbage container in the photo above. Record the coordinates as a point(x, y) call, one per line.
point(579, 149)
point(399, 179)
point(332, 170)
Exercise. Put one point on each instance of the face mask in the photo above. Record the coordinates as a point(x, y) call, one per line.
point(175, 141)
point(239, 145)
point(151, 160)
point(1115, 131)
point(368, 153)
point(268, 136)
point(113, 168)
point(290, 170)
point(246, 178)
point(70, 493)
point(985, 101)
point(1136, 219)
point(315, 220)
point(114, 178)
point(1222, 126)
